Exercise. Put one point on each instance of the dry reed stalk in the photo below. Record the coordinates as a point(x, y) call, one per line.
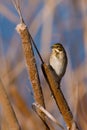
point(9, 115)
point(30, 61)
point(58, 96)
point(31, 66)
point(38, 106)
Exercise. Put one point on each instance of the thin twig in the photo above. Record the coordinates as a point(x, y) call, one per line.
point(37, 49)
point(17, 7)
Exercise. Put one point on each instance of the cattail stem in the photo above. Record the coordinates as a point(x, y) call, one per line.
point(58, 96)
point(30, 61)
point(31, 66)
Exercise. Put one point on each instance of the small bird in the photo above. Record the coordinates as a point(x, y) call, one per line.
point(58, 60)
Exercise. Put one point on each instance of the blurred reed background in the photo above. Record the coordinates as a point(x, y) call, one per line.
point(49, 22)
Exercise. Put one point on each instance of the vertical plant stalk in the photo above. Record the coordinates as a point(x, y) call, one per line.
point(58, 96)
point(32, 68)
point(7, 110)
point(30, 61)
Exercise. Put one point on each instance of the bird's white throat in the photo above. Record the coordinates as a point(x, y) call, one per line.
point(57, 64)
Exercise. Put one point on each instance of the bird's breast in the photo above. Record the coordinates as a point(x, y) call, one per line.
point(57, 64)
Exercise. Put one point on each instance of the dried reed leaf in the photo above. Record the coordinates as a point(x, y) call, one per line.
point(38, 106)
